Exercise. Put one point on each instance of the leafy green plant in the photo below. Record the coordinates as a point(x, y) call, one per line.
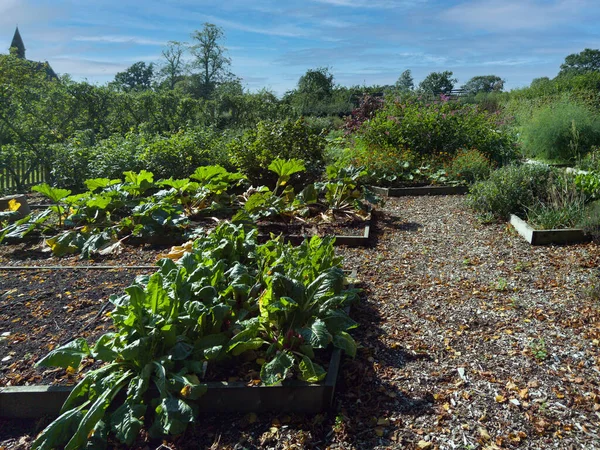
point(564, 130)
point(56, 195)
point(538, 348)
point(228, 297)
point(469, 166)
point(438, 128)
point(257, 148)
point(589, 184)
point(510, 190)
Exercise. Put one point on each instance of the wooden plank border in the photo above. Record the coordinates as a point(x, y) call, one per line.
point(420, 191)
point(547, 237)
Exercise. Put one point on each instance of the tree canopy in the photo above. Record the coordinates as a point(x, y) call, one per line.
point(210, 57)
point(578, 63)
point(405, 82)
point(438, 83)
point(138, 77)
point(483, 83)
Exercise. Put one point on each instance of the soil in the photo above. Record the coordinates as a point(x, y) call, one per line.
point(470, 338)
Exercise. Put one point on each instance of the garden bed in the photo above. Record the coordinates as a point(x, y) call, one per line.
point(459, 323)
point(352, 232)
point(419, 190)
point(548, 237)
point(27, 402)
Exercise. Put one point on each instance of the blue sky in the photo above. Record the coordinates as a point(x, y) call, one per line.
point(272, 43)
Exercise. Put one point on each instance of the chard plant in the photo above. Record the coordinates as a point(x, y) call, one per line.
point(229, 298)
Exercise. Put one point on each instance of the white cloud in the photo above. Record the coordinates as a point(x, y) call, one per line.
point(515, 15)
point(116, 39)
point(281, 30)
point(380, 4)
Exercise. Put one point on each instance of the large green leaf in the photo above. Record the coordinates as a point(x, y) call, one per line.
point(240, 347)
point(286, 168)
point(157, 297)
point(310, 371)
point(54, 194)
point(58, 432)
point(346, 342)
point(277, 369)
point(100, 183)
point(95, 413)
point(317, 334)
point(103, 349)
point(172, 416)
point(127, 421)
point(69, 355)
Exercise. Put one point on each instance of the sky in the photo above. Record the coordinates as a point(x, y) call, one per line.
point(272, 43)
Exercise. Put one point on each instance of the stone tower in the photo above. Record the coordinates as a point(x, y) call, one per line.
point(17, 44)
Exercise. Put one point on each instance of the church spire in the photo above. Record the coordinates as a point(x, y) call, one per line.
point(17, 44)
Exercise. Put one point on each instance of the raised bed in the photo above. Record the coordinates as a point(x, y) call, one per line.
point(30, 402)
point(292, 396)
point(547, 237)
point(361, 240)
point(420, 191)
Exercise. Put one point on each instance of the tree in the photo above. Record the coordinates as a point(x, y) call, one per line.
point(405, 82)
point(483, 83)
point(438, 83)
point(138, 77)
point(313, 93)
point(210, 57)
point(318, 83)
point(173, 66)
point(579, 63)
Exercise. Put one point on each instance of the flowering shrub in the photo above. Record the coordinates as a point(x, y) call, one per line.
point(368, 106)
point(438, 127)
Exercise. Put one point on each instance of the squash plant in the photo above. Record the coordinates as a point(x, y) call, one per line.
point(228, 297)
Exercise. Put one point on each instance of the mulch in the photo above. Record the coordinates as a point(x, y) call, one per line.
point(470, 338)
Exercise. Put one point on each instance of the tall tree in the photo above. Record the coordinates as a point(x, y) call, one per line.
point(137, 77)
point(483, 83)
point(317, 83)
point(438, 83)
point(210, 58)
point(583, 62)
point(405, 82)
point(173, 66)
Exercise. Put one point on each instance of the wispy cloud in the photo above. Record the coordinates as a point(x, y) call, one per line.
point(370, 3)
point(279, 30)
point(515, 15)
point(115, 39)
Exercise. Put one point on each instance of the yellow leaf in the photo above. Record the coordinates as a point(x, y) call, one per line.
point(484, 434)
point(500, 398)
point(13, 205)
point(424, 445)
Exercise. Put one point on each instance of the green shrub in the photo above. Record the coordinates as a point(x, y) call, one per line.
point(115, 155)
point(257, 148)
point(591, 161)
point(469, 166)
point(510, 190)
point(562, 131)
point(177, 155)
point(590, 222)
point(439, 128)
point(71, 160)
point(384, 166)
